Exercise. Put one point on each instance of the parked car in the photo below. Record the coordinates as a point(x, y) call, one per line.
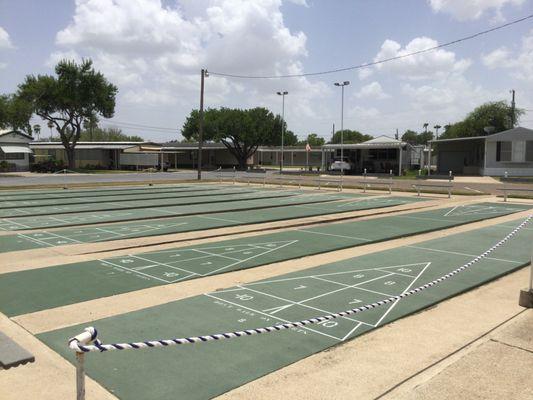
point(342, 165)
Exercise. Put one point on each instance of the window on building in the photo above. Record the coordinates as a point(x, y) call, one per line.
point(503, 151)
point(529, 150)
point(14, 156)
point(519, 151)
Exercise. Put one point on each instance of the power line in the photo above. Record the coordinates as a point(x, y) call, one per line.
point(370, 64)
point(140, 125)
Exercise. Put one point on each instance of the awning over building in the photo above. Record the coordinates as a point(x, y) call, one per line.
point(16, 149)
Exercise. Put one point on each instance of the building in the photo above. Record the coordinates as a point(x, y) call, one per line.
point(90, 155)
point(508, 152)
point(15, 152)
point(294, 156)
point(185, 155)
point(379, 155)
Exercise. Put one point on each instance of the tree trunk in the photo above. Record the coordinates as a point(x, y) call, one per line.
point(242, 162)
point(70, 157)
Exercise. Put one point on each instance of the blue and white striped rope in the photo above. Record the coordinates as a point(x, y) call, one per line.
point(75, 345)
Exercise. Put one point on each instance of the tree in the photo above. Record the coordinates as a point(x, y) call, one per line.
point(424, 137)
point(414, 138)
point(349, 137)
point(107, 135)
point(241, 131)
point(410, 137)
point(496, 115)
point(77, 95)
point(15, 114)
point(313, 140)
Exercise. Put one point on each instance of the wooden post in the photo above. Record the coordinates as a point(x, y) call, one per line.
point(80, 376)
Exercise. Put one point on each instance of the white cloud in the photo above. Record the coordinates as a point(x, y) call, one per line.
point(364, 73)
point(429, 65)
point(3, 65)
point(464, 10)
point(372, 91)
point(520, 63)
point(5, 41)
point(146, 47)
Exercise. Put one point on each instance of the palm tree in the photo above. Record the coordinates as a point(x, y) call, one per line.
point(426, 127)
point(37, 130)
point(50, 125)
point(437, 127)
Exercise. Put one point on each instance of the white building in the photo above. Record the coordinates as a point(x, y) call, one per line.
point(15, 151)
point(510, 152)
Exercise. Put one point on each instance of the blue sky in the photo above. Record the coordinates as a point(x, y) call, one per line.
point(153, 51)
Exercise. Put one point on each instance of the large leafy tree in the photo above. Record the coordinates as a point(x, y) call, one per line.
point(497, 116)
point(75, 97)
point(349, 136)
point(241, 131)
point(15, 113)
point(313, 140)
point(414, 138)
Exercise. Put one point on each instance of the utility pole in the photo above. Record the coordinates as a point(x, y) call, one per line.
point(282, 94)
point(512, 91)
point(201, 123)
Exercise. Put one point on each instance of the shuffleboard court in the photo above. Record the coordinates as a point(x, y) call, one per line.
point(37, 194)
point(139, 195)
point(110, 276)
point(98, 217)
point(156, 201)
point(205, 370)
point(109, 232)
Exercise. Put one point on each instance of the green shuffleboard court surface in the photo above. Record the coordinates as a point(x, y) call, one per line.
point(111, 276)
point(38, 194)
point(155, 227)
point(266, 200)
point(205, 370)
point(111, 198)
point(155, 201)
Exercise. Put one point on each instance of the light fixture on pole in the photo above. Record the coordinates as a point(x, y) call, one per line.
point(282, 94)
point(342, 84)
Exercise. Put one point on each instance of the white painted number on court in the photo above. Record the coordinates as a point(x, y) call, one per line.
point(244, 297)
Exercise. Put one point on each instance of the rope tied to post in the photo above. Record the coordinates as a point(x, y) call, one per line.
point(80, 342)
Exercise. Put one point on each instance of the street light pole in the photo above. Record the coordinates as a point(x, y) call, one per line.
point(201, 123)
point(282, 94)
point(342, 84)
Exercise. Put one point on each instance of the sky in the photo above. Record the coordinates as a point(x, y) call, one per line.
point(153, 51)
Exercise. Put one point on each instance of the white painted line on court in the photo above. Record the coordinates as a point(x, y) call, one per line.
point(271, 316)
point(406, 290)
point(332, 234)
point(463, 254)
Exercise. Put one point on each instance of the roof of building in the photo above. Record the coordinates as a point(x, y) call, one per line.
point(494, 136)
point(380, 142)
point(4, 132)
point(87, 145)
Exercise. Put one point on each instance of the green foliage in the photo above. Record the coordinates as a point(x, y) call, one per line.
point(76, 96)
point(241, 131)
point(414, 138)
point(15, 114)
point(493, 114)
point(313, 140)
point(349, 136)
point(107, 135)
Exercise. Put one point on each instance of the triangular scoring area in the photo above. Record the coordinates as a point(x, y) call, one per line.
point(209, 260)
point(478, 210)
point(308, 296)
